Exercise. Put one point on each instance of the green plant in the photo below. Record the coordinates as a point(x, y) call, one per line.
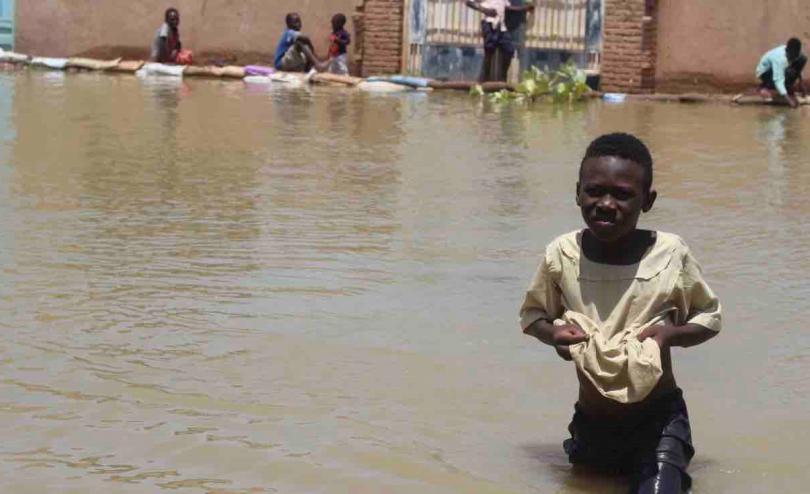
point(569, 83)
point(564, 84)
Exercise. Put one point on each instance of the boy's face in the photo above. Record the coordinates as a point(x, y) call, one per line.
point(295, 23)
point(611, 195)
point(173, 19)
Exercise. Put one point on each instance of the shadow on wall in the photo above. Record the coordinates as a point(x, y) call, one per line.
point(454, 63)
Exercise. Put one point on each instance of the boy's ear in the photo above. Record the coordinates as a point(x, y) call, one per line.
point(577, 194)
point(649, 200)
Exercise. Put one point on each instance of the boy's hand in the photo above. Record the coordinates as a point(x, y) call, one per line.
point(658, 332)
point(565, 336)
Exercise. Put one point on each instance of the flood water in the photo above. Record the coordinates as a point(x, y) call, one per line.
point(212, 287)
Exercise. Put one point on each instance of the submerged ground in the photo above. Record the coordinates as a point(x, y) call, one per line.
point(208, 286)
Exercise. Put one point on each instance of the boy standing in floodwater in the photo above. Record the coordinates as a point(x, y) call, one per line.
point(614, 299)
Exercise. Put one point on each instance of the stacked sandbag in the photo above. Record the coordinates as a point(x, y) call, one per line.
point(200, 71)
point(259, 70)
point(383, 87)
point(403, 80)
point(49, 63)
point(231, 71)
point(128, 66)
point(335, 79)
point(92, 64)
point(160, 69)
point(11, 57)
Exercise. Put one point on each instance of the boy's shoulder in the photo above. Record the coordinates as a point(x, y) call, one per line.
point(567, 243)
point(671, 242)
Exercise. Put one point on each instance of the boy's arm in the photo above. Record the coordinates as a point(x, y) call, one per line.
point(698, 307)
point(560, 337)
point(475, 5)
point(683, 336)
point(543, 304)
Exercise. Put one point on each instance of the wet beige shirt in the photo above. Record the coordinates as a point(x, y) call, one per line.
point(614, 303)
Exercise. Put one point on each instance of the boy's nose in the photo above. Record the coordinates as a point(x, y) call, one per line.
point(606, 202)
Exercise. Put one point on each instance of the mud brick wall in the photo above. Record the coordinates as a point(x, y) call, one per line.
point(379, 36)
point(629, 46)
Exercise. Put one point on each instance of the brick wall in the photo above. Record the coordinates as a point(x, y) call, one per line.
point(629, 46)
point(378, 25)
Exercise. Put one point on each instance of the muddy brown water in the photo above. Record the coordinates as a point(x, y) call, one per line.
point(212, 287)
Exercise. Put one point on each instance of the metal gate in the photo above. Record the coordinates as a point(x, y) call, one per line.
point(563, 25)
point(7, 24)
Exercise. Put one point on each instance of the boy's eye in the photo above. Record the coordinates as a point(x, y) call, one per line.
point(595, 191)
point(622, 194)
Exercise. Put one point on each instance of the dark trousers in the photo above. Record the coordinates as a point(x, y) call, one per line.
point(498, 53)
point(654, 447)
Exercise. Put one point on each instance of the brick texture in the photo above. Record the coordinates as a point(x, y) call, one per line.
point(378, 28)
point(629, 46)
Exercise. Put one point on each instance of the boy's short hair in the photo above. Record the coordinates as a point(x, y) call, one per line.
point(289, 18)
point(625, 146)
point(794, 46)
point(339, 20)
point(169, 11)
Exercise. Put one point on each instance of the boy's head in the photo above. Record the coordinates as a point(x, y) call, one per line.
point(172, 17)
point(793, 49)
point(615, 185)
point(338, 22)
point(293, 21)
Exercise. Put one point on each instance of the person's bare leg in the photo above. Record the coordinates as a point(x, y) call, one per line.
point(320, 66)
point(762, 92)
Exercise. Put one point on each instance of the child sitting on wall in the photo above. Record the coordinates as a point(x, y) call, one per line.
point(614, 299)
point(166, 47)
point(295, 52)
point(338, 41)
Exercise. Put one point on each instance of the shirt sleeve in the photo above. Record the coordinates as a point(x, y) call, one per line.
point(164, 31)
point(698, 303)
point(779, 76)
point(543, 298)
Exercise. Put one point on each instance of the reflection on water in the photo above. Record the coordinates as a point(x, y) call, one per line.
point(212, 287)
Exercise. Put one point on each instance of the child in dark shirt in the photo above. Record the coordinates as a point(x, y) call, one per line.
point(338, 41)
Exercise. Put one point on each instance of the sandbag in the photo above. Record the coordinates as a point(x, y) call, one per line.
point(50, 63)
point(259, 70)
point(257, 79)
point(404, 80)
point(383, 87)
point(11, 57)
point(345, 80)
point(232, 71)
point(160, 69)
point(200, 71)
point(92, 64)
point(130, 66)
point(290, 78)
